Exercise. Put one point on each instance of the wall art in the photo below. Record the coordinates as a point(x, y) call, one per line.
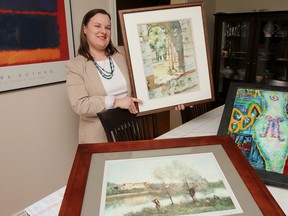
point(36, 40)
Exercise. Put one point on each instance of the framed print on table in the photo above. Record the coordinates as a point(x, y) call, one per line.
point(167, 54)
point(184, 176)
point(256, 117)
point(36, 40)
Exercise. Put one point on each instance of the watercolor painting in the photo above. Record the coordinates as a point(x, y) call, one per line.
point(259, 126)
point(168, 58)
point(191, 184)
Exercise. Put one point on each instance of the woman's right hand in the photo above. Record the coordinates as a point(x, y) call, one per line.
point(127, 103)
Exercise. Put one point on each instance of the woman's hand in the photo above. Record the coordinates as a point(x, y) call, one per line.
point(127, 103)
point(179, 107)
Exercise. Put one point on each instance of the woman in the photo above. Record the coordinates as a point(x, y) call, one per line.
point(97, 79)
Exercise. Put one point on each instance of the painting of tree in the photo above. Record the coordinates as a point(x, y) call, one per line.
point(170, 185)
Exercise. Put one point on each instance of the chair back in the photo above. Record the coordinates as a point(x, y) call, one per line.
point(273, 82)
point(194, 111)
point(121, 125)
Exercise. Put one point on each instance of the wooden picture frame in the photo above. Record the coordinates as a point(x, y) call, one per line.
point(83, 191)
point(37, 40)
point(168, 56)
point(255, 116)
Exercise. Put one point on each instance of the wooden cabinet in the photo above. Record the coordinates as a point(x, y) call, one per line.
point(249, 47)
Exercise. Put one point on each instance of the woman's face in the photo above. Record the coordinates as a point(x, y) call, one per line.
point(98, 32)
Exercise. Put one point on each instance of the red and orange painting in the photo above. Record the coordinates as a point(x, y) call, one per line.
point(32, 31)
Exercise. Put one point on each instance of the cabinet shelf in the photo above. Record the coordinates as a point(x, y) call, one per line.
point(282, 59)
point(236, 58)
point(273, 59)
point(256, 54)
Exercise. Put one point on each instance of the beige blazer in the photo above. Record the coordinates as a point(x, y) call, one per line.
point(86, 94)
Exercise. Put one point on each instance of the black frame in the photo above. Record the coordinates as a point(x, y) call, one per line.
point(269, 178)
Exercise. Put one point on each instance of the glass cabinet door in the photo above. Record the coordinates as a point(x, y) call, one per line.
point(272, 56)
point(234, 54)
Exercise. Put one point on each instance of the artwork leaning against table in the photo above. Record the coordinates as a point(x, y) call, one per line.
point(255, 116)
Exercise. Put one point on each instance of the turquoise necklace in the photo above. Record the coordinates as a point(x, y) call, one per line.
point(106, 74)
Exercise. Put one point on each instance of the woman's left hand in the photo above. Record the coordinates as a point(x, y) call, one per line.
point(127, 103)
point(180, 107)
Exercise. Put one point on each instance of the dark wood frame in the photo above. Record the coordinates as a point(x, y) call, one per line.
point(269, 178)
point(254, 19)
point(75, 190)
point(132, 71)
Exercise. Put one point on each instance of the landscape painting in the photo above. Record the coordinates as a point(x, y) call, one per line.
point(191, 184)
point(168, 58)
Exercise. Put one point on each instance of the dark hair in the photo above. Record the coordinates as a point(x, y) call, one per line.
point(84, 46)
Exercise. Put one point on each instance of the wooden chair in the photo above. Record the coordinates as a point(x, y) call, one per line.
point(273, 82)
point(121, 125)
point(192, 112)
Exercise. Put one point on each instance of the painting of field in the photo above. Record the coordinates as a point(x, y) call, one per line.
point(190, 184)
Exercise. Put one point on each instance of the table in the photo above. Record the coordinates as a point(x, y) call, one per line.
point(204, 125)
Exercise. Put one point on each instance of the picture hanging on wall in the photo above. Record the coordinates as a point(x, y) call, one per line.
point(168, 57)
point(256, 117)
point(36, 40)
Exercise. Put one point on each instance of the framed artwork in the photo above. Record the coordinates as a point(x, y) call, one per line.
point(184, 176)
point(168, 57)
point(255, 116)
point(36, 40)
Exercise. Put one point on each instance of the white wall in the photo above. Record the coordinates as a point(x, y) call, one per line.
point(38, 133)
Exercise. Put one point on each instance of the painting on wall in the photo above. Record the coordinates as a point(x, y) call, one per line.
point(256, 117)
point(168, 59)
point(36, 40)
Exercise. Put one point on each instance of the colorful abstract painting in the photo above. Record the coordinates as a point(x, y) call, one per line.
point(35, 41)
point(32, 31)
point(258, 123)
point(259, 126)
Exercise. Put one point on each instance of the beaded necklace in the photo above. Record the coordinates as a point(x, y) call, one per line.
point(106, 74)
